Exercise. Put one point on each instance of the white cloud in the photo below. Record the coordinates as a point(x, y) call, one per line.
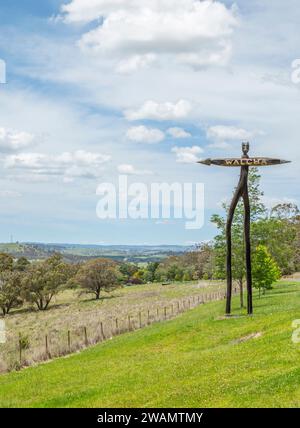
point(187, 154)
point(142, 134)
point(160, 111)
point(12, 140)
point(131, 170)
point(135, 62)
point(85, 11)
point(194, 33)
point(221, 134)
point(178, 133)
point(79, 164)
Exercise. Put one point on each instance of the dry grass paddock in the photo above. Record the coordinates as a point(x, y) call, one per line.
point(73, 322)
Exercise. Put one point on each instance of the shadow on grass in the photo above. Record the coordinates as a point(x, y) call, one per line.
point(101, 300)
point(33, 309)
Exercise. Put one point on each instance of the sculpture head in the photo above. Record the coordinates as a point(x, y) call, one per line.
point(245, 148)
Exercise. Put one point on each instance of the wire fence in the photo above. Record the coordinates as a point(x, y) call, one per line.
point(55, 343)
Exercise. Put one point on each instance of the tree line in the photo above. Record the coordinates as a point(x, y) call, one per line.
point(36, 283)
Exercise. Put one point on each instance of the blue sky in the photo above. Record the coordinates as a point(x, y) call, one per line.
point(95, 88)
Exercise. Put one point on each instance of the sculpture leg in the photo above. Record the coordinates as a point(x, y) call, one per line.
point(248, 244)
point(237, 195)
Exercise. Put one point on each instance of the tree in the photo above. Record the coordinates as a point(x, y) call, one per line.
point(278, 232)
point(161, 274)
point(285, 211)
point(98, 275)
point(6, 262)
point(297, 245)
point(21, 264)
point(151, 271)
point(265, 270)
point(187, 276)
point(199, 260)
point(128, 270)
point(10, 291)
point(43, 280)
point(278, 235)
point(258, 211)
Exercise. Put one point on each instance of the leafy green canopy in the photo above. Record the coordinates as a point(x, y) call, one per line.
point(43, 280)
point(265, 270)
point(98, 275)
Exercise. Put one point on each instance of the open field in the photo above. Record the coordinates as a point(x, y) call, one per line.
point(199, 359)
point(71, 313)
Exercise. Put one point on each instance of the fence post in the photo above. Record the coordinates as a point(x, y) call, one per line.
point(140, 319)
point(129, 322)
point(20, 348)
point(69, 340)
point(157, 313)
point(117, 326)
point(85, 336)
point(165, 312)
point(47, 346)
point(102, 331)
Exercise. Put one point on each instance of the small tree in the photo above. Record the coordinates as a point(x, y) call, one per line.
point(128, 270)
point(43, 280)
point(265, 270)
point(98, 275)
point(6, 262)
point(10, 291)
point(21, 264)
point(150, 271)
point(187, 276)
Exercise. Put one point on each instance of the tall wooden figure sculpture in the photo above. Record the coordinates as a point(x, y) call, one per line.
point(241, 192)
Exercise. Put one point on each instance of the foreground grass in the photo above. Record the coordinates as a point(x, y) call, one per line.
point(196, 360)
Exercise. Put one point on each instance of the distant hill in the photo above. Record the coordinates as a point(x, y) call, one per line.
point(78, 252)
point(26, 250)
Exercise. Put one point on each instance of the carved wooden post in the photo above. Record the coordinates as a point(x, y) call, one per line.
point(241, 192)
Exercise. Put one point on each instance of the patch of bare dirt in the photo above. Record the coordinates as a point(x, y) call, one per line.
point(229, 317)
point(248, 337)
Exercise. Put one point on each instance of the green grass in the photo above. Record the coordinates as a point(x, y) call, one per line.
point(196, 360)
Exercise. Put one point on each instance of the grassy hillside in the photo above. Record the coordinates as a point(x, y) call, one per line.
point(198, 359)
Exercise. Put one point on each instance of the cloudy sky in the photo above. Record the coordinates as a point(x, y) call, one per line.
point(98, 88)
